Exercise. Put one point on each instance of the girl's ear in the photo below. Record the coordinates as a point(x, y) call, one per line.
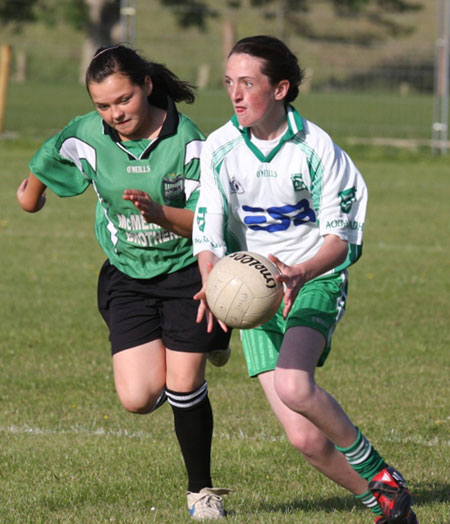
point(148, 85)
point(281, 90)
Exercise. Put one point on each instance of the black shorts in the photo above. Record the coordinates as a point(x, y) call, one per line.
point(138, 311)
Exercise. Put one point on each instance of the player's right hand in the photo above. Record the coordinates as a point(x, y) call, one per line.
point(203, 306)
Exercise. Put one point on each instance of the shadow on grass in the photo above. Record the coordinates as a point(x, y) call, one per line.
point(331, 504)
point(422, 495)
point(431, 492)
point(346, 503)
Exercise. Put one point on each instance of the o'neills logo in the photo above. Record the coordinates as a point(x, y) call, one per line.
point(245, 258)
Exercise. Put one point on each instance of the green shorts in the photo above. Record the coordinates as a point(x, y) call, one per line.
point(319, 305)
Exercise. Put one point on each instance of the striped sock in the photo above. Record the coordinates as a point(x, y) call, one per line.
point(193, 420)
point(363, 457)
point(370, 502)
point(187, 400)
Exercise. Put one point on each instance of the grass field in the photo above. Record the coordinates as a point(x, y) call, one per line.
point(38, 110)
point(69, 453)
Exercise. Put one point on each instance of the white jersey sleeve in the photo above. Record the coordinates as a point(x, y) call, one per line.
point(339, 192)
point(210, 214)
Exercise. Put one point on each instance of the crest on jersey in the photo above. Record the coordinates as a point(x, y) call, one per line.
point(348, 196)
point(297, 182)
point(173, 189)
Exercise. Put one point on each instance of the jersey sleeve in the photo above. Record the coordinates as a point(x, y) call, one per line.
point(60, 168)
point(191, 141)
point(209, 219)
point(193, 150)
point(341, 196)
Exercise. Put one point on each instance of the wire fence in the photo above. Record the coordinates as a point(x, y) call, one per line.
point(381, 90)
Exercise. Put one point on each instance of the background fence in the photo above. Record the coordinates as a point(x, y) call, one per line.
point(360, 85)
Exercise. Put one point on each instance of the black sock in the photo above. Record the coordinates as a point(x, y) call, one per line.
point(193, 420)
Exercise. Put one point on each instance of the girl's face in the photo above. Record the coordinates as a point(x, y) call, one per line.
point(123, 105)
point(257, 103)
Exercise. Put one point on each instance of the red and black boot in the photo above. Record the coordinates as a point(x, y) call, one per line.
point(410, 519)
point(389, 488)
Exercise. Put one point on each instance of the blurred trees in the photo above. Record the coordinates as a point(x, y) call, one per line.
point(101, 27)
point(289, 15)
point(99, 17)
point(99, 20)
point(20, 12)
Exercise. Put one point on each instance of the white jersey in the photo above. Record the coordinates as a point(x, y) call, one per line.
point(282, 203)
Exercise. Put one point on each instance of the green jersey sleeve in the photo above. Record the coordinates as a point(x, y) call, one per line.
point(60, 167)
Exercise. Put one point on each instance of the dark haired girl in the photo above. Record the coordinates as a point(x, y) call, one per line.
point(142, 159)
point(274, 183)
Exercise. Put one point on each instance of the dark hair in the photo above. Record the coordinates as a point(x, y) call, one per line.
point(126, 61)
point(280, 62)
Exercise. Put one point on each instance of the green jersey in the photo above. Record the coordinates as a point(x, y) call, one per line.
point(88, 151)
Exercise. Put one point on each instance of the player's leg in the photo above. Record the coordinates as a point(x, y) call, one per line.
point(317, 310)
point(296, 387)
point(295, 347)
point(261, 350)
point(299, 354)
point(144, 318)
point(317, 449)
point(187, 393)
point(140, 376)
point(135, 335)
point(219, 357)
point(188, 345)
point(387, 492)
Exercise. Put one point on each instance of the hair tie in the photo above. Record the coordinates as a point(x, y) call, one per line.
point(104, 50)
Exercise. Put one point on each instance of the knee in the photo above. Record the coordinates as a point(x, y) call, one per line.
point(137, 401)
point(311, 443)
point(295, 392)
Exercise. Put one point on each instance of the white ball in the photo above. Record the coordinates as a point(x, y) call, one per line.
point(242, 291)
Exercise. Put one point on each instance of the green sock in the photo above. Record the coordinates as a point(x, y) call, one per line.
point(363, 457)
point(370, 502)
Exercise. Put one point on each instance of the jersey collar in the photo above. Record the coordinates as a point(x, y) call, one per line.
point(169, 127)
point(295, 126)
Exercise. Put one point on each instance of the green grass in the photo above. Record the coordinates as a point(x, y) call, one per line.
point(37, 110)
point(69, 453)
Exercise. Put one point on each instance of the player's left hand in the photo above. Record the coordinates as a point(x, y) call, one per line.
point(293, 279)
point(21, 192)
point(150, 210)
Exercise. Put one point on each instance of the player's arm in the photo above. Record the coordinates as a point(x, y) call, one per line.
point(208, 242)
point(332, 253)
point(206, 261)
point(174, 219)
point(31, 194)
